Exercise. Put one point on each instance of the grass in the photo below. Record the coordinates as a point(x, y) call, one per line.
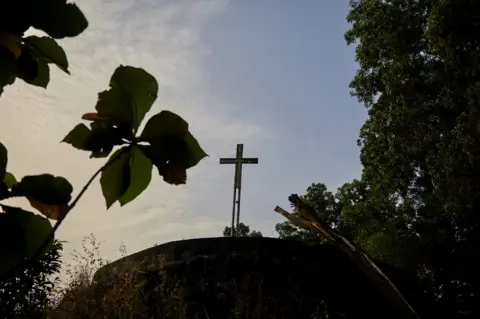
point(142, 290)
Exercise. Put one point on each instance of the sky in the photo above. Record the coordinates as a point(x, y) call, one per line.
point(270, 74)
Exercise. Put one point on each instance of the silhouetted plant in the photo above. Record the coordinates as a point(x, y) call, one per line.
point(242, 231)
point(26, 294)
point(165, 142)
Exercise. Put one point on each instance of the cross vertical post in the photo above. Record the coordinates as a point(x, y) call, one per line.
point(239, 160)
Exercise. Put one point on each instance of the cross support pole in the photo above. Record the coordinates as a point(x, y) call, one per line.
point(239, 160)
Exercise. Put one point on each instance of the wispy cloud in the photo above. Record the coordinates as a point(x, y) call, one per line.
point(165, 38)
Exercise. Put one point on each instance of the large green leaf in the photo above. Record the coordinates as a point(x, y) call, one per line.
point(163, 124)
point(141, 87)
point(77, 137)
point(7, 68)
point(47, 193)
point(33, 70)
point(140, 175)
point(114, 104)
point(3, 161)
point(26, 67)
point(170, 139)
point(48, 49)
point(21, 235)
point(43, 77)
point(100, 140)
point(195, 151)
point(169, 156)
point(9, 180)
point(115, 179)
point(58, 18)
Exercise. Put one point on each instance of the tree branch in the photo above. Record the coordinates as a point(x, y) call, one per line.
point(308, 219)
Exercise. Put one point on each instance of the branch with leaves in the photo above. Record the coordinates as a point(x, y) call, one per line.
point(165, 143)
point(28, 58)
point(308, 219)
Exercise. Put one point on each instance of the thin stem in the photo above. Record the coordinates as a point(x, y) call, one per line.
point(75, 201)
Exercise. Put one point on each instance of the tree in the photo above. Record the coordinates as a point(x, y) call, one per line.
point(417, 202)
point(418, 77)
point(325, 206)
point(26, 294)
point(351, 212)
point(242, 231)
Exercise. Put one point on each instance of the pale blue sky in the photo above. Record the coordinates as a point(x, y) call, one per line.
point(287, 66)
point(271, 74)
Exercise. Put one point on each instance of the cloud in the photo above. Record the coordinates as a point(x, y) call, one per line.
point(167, 39)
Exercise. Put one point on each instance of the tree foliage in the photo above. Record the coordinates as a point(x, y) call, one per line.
point(26, 294)
point(418, 79)
point(242, 231)
point(417, 201)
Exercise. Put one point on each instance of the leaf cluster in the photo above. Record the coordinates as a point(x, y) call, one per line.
point(165, 141)
point(28, 58)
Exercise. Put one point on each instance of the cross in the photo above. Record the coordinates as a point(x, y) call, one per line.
point(239, 160)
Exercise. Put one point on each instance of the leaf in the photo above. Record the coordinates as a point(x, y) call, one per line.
point(49, 50)
point(43, 75)
point(58, 18)
point(113, 104)
point(174, 174)
point(54, 212)
point(4, 189)
point(7, 68)
point(26, 67)
point(115, 179)
point(21, 235)
point(171, 141)
point(196, 153)
point(47, 193)
point(142, 88)
point(162, 124)
point(3, 161)
point(183, 152)
point(140, 175)
point(33, 69)
point(171, 169)
point(166, 125)
point(78, 136)
point(100, 140)
point(11, 42)
point(131, 96)
point(9, 180)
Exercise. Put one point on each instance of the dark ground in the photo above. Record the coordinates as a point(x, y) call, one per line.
point(268, 278)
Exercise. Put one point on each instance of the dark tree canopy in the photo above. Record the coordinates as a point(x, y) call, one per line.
point(26, 293)
point(416, 204)
point(243, 231)
point(418, 78)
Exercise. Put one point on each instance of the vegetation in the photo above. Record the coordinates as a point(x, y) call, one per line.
point(416, 203)
point(28, 251)
point(165, 142)
point(414, 207)
point(242, 231)
point(27, 293)
point(251, 278)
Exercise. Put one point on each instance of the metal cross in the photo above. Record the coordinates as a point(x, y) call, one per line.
point(239, 160)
